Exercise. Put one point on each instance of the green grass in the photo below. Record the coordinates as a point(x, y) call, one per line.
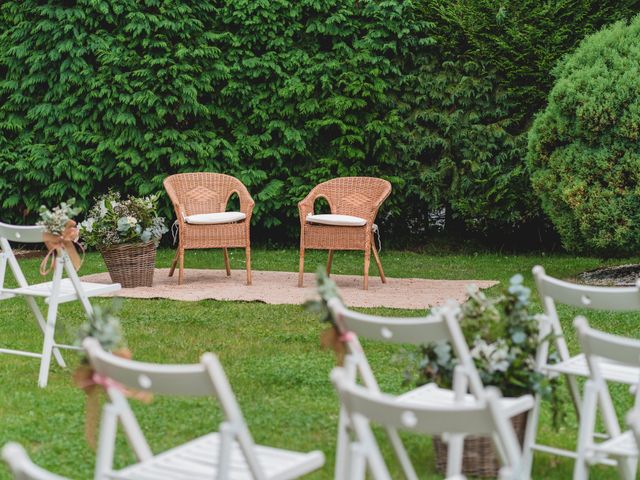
point(270, 352)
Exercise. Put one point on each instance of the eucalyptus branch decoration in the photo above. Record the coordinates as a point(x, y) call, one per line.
point(333, 337)
point(104, 325)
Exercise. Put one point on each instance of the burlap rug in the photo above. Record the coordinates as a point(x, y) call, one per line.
point(281, 287)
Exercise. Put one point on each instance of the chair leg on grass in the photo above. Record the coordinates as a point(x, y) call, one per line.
point(367, 261)
point(248, 261)
point(329, 262)
point(174, 263)
point(181, 272)
point(301, 268)
point(227, 266)
point(378, 262)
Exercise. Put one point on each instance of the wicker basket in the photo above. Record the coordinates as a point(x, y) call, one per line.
point(131, 264)
point(480, 458)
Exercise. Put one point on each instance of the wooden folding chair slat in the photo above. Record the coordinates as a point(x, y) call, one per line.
point(229, 453)
point(55, 292)
point(553, 291)
point(621, 446)
point(482, 416)
point(440, 326)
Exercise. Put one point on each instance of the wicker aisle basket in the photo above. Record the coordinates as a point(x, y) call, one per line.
point(131, 264)
point(480, 458)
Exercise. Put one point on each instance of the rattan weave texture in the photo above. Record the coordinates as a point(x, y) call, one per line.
point(356, 196)
point(206, 192)
point(131, 264)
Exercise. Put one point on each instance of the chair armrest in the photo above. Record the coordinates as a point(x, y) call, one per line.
point(246, 202)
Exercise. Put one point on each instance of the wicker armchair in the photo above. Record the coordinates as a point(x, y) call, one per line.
point(354, 196)
point(208, 193)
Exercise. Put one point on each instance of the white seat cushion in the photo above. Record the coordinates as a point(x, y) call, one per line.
point(215, 218)
point(337, 220)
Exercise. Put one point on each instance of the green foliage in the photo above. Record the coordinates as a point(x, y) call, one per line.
point(56, 220)
point(433, 95)
point(503, 337)
point(584, 153)
point(472, 102)
point(280, 94)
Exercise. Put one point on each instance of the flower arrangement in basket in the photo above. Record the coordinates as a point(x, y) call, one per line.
point(503, 338)
point(127, 233)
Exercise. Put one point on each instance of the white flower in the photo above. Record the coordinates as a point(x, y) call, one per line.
point(132, 221)
point(87, 225)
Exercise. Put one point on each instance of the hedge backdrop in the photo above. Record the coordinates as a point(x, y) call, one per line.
point(435, 95)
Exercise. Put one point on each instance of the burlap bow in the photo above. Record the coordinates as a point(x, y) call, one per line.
point(335, 338)
point(67, 241)
point(93, 384)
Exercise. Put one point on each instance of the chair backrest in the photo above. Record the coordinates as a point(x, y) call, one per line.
point(595, 343)
point(482, 417)
point(203, 192)
point(357, 196)
point(553, 290)
point(21, 233)
point(441, 325)
point(21, 465)
point(203, 379)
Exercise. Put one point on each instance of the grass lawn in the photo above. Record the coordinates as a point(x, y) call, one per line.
point(270, 353)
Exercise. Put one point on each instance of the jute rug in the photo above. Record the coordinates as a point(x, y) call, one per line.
point(282, 287)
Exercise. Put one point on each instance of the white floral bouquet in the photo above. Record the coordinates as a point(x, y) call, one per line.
point(114, 221)
point(56, 220)
point(503, 338)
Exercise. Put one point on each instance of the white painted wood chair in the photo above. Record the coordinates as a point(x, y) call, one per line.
point(441, 325)
point(621, 446)
point(553, 291)
point(21, 466)
point(58, 290)
point(477, 417)
point(229, 454)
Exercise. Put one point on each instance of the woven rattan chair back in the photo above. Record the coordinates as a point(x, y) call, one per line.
point(355, 196)
point(203, 192)
point(206, 193)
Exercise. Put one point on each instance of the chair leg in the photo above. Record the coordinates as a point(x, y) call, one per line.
point(175, 262)
point(530, 435)
point(367, 261)
point(329, 261)
point(248, 260)
point(378, 262)
point(301, 268)
point(227, 265)
point(181, 272)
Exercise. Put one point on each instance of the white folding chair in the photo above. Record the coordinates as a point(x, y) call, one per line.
point(55, 292)
point(21, 466)
point(228, 454)
point(620, 446)
point(552, 291)
point(440, 326)
point(483, 416)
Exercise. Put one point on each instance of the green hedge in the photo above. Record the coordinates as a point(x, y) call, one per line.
point(584, 149)
point(435, 96)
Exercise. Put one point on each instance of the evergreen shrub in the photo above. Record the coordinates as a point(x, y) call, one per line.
point(584, 150)
point(434, 95)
